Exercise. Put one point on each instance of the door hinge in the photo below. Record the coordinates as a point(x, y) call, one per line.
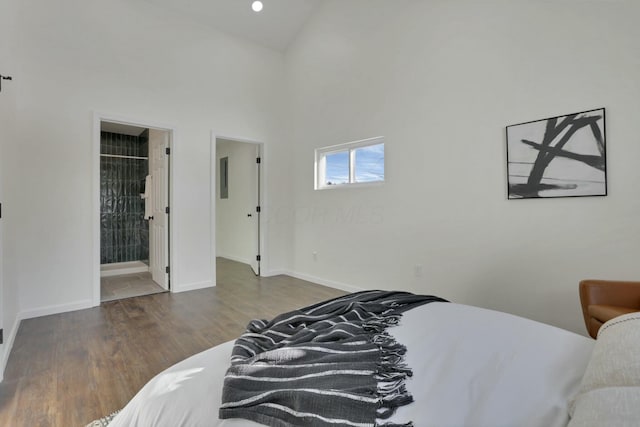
point(166, 210)
point(167, 269)
point(167, 150)
point(257, 257)
point(258, 160)
point(258, 209)
point(0, 210)
point(1, 336)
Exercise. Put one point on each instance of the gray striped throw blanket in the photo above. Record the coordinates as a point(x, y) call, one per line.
point(329, 364)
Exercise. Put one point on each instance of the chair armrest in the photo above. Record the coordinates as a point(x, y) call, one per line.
point(604, 313)
point(610, 296)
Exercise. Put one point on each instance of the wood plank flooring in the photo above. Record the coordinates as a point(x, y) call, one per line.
point(68, 369)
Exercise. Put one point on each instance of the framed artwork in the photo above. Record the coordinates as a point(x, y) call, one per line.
point(561, 156)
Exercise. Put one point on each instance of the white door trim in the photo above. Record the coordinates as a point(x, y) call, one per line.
point(263, 200)
point(99, 117)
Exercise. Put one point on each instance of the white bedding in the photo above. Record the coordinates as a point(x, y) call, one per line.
point(471, 367)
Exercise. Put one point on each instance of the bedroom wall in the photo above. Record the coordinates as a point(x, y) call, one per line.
point(236, 233)
point(441, 80)
point(8, 288)
point(139, 62)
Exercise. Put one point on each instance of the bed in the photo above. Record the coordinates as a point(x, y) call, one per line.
point(471, 367)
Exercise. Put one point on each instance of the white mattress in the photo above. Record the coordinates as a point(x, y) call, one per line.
point(471, 367)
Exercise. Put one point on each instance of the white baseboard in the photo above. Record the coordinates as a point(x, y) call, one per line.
point(55, 309)
point(324, 282)
point(193, 287)
point(272, 273)
point(120, 268)
point(234, 258)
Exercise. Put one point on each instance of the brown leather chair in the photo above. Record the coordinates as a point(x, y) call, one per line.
point(603, 300)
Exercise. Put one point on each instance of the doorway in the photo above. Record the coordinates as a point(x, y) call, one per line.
point(239, 202)
point(133, 221)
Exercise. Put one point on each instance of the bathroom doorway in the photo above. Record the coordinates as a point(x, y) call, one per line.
point(134, 210)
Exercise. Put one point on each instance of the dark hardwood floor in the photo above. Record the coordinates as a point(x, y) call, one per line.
point(68, 369)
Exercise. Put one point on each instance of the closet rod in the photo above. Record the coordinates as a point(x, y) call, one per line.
point(124, 157)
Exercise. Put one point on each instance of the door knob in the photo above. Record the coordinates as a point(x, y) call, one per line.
point(248, 214)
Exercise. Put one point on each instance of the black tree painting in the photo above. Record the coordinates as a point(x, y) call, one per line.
point(561, 156)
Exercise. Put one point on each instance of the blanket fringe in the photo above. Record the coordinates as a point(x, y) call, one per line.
point(378, 323)
point(391, 375)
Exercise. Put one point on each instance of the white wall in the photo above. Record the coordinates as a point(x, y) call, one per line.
point(8, 288)
point(236, 233)
point(136, 61)
point(441, 80)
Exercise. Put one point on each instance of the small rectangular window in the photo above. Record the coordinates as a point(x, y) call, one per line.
point(353, 163)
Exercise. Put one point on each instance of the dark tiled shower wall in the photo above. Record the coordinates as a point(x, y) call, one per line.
point(124, 234)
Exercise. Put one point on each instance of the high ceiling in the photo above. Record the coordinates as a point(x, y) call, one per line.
point(274, 27)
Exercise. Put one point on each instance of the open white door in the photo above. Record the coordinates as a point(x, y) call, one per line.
point(158, 225)
point(254, 217)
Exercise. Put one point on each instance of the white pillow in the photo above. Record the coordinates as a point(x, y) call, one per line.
point(607, 406)
point(609, 394)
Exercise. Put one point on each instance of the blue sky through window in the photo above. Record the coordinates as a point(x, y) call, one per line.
point(369, 163)
point(337, 168)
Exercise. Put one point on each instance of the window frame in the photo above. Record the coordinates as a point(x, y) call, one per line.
point(320, 166)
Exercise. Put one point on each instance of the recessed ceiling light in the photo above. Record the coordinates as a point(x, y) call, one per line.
point(256, 6)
